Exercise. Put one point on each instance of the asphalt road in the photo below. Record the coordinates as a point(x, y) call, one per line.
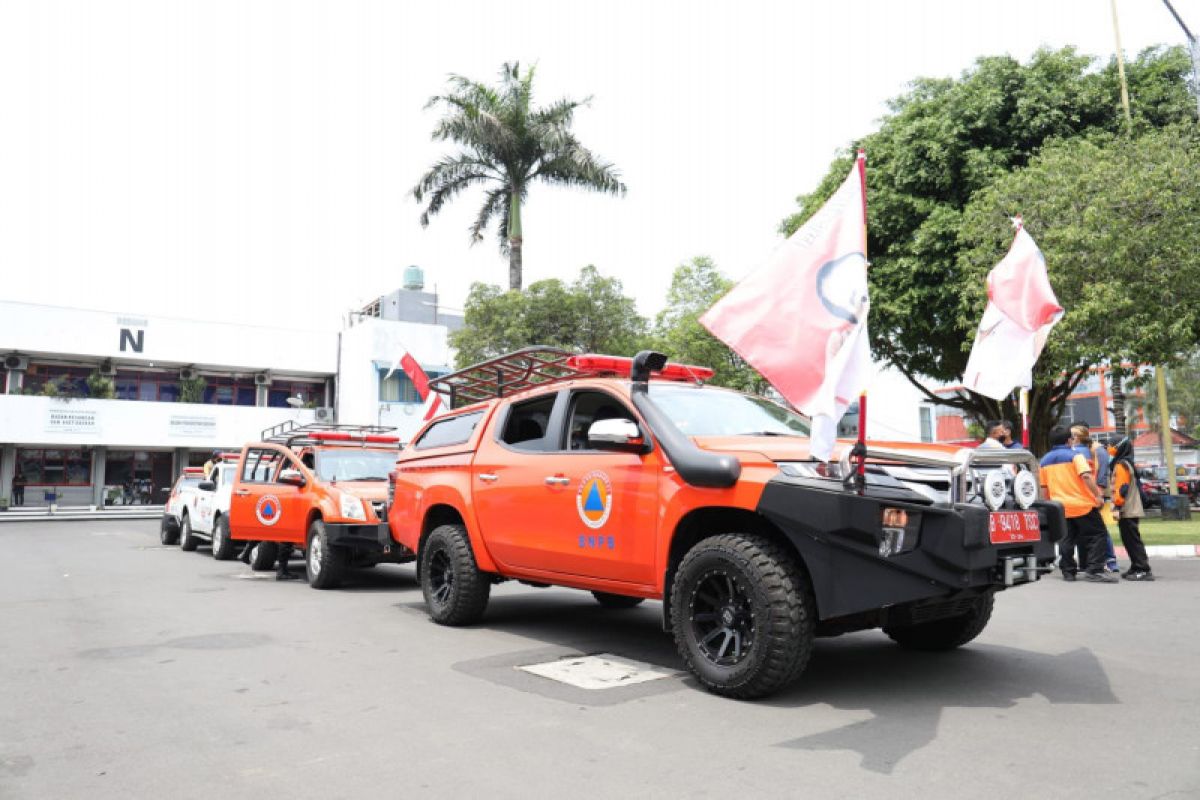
point(128, 669)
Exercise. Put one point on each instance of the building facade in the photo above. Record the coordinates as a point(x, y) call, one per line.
point(101, 408)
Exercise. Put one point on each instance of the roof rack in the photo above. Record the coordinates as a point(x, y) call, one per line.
point(507, 374)
point(290, 434)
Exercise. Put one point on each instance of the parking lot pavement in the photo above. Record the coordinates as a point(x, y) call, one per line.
point(134, 670)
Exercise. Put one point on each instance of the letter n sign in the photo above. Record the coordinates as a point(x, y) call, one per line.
point(136, 343)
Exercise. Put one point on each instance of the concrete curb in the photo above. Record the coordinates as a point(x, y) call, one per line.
point(63, 515)
point(1165, 551)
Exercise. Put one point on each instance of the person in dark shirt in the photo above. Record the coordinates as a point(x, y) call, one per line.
point(18, 488)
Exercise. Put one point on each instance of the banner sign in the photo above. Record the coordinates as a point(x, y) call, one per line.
point(70, 420)
point(192, 427)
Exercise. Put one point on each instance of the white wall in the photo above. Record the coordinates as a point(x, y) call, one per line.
point(35, 420)
point(370, 342)
point(164, 340)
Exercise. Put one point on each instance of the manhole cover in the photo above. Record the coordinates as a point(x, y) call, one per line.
point(601, 671)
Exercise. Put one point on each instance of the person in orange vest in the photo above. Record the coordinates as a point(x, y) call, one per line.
point(1097, 454)
point(1127, 499)
point(1067, 477)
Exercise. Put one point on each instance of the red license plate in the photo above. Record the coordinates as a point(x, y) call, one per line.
point(1014, 526)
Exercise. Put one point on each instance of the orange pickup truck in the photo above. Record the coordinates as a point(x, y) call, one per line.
point(631, 479)
point(320, 488)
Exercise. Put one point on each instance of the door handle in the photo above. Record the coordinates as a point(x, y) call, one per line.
point(557, 480)
point(488, 477)
point(242, 492)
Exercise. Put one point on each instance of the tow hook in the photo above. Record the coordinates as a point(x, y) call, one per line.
point(1023, 569)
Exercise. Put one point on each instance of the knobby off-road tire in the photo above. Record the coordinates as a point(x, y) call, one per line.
point(187, 542)
point(166, 534)
point(616, 600)
point(456, 592)
point(223, 548)
point(944, 634)
point(262, 557)
point(326, 564)
point(743, 615)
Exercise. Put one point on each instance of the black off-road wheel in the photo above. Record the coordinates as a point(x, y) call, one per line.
point(944, 634)
point(456, 592)
point(616, 600)
point(743, 615)
point(167, 533)
point(223, 548)
point(187, 542)
point(262, 557)
point(326, 564)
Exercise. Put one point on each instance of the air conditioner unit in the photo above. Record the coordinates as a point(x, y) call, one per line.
point(107, 368)
point(15, 361)
point(262, 379)
point(323, 414)
point(187, 374)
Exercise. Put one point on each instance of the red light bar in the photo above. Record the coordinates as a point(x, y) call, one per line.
point(193, 470)
point(618, 365)
point(381, 439)
point(229, 456)
point(331, 436)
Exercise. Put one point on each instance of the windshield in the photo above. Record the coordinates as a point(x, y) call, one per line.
point(708, 411)
point(354, 465)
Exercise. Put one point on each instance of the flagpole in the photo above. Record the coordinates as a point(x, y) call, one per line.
point(1024, 418)
point(861, 447)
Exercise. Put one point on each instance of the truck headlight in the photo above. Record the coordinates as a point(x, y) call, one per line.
point(352, 507)
point(812, 469)
point(995, 489)
point(1025, 488)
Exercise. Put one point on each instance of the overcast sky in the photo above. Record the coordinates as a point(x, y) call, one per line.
point(252, 160)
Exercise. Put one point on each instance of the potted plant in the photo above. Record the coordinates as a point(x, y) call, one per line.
point(191, 390)
point(100, 386)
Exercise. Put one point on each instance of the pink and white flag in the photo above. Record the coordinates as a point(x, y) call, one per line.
point(801, 318)
point(1020, 313)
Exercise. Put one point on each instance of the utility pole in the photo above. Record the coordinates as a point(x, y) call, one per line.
point(1194, 48)
point(1160, 372)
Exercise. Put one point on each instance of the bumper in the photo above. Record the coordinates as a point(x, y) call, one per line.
point(947, 550)
point(368, 538)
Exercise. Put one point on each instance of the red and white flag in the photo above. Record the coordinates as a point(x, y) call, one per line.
point(801, 318)
point(432, 401)
point(1020, 312)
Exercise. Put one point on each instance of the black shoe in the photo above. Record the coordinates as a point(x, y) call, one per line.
point(1068, 576)
point(1138, 576)
point(245, 556)
point(1099, 577)
point(286, 576)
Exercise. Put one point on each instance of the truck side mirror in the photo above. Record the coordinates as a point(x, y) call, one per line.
point(291, 477)
point(622, 435)
point(206, 486)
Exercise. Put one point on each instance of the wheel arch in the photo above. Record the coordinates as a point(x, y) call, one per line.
point(702, 523)
point(437, 515)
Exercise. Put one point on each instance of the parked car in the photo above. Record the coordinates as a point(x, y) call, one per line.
point(629, 479)
point(188, 480)
point(322, 489)
point(204, 512)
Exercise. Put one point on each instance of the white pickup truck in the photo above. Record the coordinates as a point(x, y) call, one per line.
point(204, 511)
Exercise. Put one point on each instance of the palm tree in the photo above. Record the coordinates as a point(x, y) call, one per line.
point(506, 146)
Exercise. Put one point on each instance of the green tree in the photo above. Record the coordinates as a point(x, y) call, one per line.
point(1118, 221)
point(590, 315)
point(1183, 396)
point(506, 145)
point(947, 141)
point(695, 286)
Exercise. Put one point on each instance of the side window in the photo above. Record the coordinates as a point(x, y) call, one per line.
point(527, 424)
point(454, 430)
point(586, 408)
point(260, 466)
point(248, 465)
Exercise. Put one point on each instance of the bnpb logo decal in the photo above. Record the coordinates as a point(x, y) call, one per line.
point(267, 510)
point(594, 499)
